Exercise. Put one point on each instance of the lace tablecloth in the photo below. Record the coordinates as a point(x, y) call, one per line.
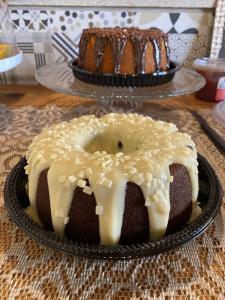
point(31, 271)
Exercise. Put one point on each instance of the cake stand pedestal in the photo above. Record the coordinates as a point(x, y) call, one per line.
point(59, 77)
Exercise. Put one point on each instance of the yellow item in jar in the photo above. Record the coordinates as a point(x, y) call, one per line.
point(5, 50)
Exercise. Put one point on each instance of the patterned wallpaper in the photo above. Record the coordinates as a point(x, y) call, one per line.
point(52, 35)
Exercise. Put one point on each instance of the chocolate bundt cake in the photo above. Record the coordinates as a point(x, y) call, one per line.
point(115, 179)
point(123, 50)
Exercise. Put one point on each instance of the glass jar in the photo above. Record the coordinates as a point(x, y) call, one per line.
point(10, 55)
point(214, 72)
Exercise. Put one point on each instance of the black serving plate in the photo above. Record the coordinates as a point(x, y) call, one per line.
point(210, 198)
point(134, 80)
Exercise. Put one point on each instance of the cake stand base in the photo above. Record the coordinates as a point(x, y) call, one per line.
point(155, 110)
point(59, 77)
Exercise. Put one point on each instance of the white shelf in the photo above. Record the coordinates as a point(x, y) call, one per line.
point(10, 62)
point(116, 3)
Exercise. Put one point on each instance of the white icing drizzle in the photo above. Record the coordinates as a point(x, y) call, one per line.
point(90, 148)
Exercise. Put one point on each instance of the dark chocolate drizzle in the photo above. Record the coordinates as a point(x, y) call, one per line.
point(82, 51)
point(157, 53)
point(167, 52)
point(118, 38)
point(118, 45)
point(99, 51)
point(140, 47)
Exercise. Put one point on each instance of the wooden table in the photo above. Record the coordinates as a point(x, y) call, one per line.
point(20, 95)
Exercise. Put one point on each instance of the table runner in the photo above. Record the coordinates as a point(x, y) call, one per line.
point(31, 271)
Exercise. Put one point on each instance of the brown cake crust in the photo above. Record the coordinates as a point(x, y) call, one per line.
point(123, 50)
point(180, 198)
point(43, 202)
point(135, 225)
point(83, 224)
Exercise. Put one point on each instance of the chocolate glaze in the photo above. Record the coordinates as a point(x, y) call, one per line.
point(99, 50)
point(82, 47)
point(157, 53)
point(118, 47)
point(140, 47)
point(167, 53)
point(118, 37)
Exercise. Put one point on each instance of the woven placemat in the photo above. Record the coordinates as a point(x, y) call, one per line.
point(31, 271)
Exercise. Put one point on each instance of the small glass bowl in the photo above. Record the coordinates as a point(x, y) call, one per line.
point(213, 71)
point(10, 55)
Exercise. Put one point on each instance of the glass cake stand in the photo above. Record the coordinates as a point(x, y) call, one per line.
point(59, 77)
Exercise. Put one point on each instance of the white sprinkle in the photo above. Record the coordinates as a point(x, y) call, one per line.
point(99, 210)
point(107, 183)
point(155, 198)
point(105, 163)
point(132, 170)
point(66, 220)
point(101, 180)
point(131, 163)
point(87, 190)
point(27, 169)
point(62, 179)
point(147, 203)
point(72, 178)
point(170, 178)
point(119, 154)
point(81, 183)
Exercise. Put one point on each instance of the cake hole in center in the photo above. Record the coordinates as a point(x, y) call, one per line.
point(120, 145)
point(110, 144)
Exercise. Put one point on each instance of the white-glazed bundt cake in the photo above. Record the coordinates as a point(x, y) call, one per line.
point(120, 178)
